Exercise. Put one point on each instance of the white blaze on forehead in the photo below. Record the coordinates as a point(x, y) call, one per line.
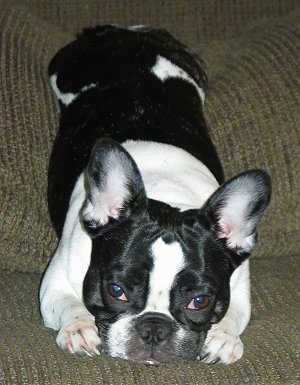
point(168, 261)
point(165, 69)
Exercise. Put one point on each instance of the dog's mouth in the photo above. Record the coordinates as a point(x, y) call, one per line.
point(154, 355)
point(149, 340)
point(152, 361)
point(149, 356)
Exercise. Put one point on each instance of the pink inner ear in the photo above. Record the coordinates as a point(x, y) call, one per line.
point(116, 207)
point(115, 212)
point(224, 228)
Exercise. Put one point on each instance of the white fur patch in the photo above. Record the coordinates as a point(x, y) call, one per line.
point(165, 69)
point(172, 175)
point(168, 261)
point(135, 27)
point(119, 335)
point(68, 97)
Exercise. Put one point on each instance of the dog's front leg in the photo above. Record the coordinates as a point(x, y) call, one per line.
point(64, 311)
point(77, 332)
point(223, 343)
point(61, 303)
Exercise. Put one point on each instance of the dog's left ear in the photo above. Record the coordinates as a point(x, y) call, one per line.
point(115, 188)
point(236, 208)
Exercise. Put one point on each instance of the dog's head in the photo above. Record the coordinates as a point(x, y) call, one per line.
point(159, 278)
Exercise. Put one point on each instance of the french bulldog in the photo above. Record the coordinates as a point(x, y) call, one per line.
point(152, 261)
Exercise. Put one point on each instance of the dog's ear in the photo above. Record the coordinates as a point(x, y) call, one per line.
point(115, 189)
point(235, 209)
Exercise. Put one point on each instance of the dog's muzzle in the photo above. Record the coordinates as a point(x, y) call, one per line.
point(155, 339)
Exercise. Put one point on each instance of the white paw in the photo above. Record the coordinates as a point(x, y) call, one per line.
point(80, 337)
point(221, 347)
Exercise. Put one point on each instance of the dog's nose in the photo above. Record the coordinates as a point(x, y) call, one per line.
point(154, 328)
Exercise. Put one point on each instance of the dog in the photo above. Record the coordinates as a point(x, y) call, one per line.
point(152, 261)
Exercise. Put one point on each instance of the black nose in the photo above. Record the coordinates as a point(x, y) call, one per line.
point(154, 328)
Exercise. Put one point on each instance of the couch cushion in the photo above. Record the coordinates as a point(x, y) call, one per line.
point(28, 353)
point(252, 53)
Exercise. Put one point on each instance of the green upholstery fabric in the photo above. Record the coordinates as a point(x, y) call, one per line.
point(252, 51)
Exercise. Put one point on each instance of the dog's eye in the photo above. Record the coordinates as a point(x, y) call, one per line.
point(200, 302)
point(116, 291)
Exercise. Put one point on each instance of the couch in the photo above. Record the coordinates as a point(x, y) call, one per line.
point(252, 51)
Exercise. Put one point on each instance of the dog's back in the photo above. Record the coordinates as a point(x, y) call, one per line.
point(135, 83)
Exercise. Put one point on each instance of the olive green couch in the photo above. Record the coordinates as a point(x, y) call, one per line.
point(252, 52)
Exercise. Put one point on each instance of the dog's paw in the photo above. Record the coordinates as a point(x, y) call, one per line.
point(221, 347)
point(80, 337)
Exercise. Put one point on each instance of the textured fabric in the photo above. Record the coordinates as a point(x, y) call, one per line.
point(252, 53)
point(28, 354)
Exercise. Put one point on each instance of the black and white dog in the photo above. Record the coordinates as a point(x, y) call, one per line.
point(152, 261)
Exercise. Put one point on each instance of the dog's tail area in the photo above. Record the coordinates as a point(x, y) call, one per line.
point(105, 56)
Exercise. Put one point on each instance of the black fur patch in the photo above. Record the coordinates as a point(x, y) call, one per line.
point(128, 102)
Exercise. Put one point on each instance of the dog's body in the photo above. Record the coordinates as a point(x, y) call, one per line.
point(152, 261)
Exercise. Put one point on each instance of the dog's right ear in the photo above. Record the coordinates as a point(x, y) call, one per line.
point(115, 188)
